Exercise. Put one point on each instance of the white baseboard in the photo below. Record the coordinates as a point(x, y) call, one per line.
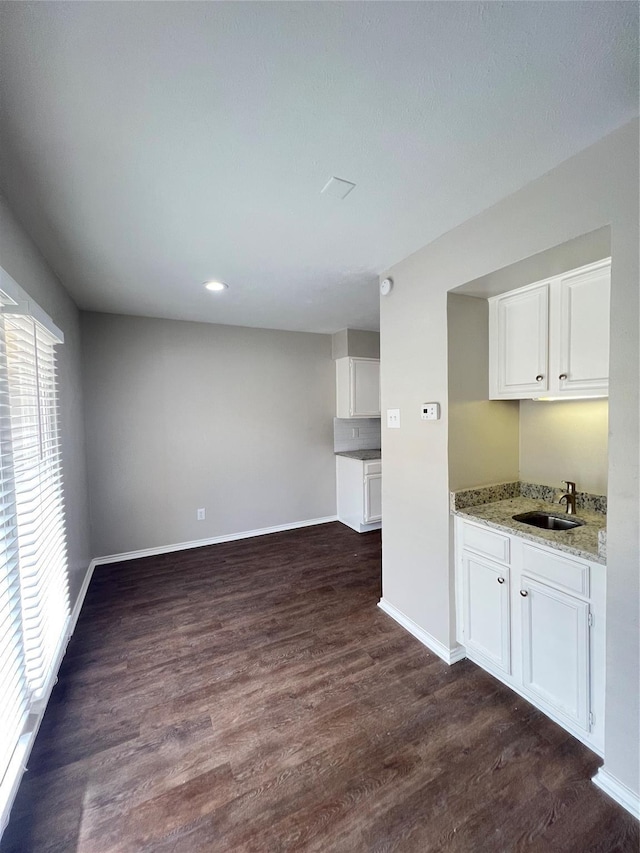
point(214, 540)
point(77, 607)
point(618, 791)
point(449, 656)
point(359, 527)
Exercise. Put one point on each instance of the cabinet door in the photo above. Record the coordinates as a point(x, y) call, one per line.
point(519, 329)
point(583, 363)
point(372, 498)
point(365, 388)
point(555, 650)
point(486, 610)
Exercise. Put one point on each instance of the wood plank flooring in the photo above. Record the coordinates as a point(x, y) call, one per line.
point(251, 697)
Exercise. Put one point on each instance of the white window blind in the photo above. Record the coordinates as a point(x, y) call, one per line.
point(37, 468)
point(34, 603)
point(13, 684)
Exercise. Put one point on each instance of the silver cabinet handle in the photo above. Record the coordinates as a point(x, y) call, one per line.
point(500, 580)
point(524, 593)
point(539, 377)
point(562, 376)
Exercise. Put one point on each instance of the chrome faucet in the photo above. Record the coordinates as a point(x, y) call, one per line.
point(569, 497)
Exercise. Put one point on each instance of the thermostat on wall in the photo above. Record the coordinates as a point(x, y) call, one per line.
point(430, 411)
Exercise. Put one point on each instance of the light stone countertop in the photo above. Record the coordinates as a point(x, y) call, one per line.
point(362, 455)
point(581, 541)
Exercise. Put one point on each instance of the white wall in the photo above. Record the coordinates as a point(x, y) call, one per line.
point(595, 189)
point(24, 263)
point(565, 441)
point(185, 415)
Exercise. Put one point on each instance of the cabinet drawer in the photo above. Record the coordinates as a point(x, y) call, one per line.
point(373, 467)
point(563, 572)
point(486, 542)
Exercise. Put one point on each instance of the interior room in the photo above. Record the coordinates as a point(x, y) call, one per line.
point(249, 255)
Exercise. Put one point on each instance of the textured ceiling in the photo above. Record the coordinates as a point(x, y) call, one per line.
point(150, 146)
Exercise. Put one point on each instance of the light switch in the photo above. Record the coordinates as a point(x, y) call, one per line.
point(393, 418)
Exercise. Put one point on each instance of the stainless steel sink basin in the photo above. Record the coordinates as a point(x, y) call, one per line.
point(548, 521)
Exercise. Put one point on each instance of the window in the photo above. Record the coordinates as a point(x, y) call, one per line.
point(13, 685)
point(34, 603)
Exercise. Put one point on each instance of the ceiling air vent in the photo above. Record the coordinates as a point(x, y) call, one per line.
point(337, 187)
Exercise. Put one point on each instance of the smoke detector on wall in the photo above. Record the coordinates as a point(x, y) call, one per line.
point(386, 286)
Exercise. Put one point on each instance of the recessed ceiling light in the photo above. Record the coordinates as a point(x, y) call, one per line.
point(216, 286)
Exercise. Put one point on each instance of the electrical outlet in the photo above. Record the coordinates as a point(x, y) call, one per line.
point(201, 514)
point(430, 411)
point(393, 418)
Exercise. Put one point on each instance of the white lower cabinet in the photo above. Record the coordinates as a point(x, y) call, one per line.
point(555, 650)
point(486, 598)
point(359, 493)
point(535, 618)
point(372, 498)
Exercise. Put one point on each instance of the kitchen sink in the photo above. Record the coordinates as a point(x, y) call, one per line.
point(548, 521)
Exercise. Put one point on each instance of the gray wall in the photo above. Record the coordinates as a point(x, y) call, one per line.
point(483, 433)
point(565, 441)
point(595, 189)
point(185, 415)
point(24, 263)
point(581, 250)
point(355, 343)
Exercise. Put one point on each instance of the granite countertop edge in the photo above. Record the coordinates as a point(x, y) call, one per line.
point(590, 536)
point(362, 455)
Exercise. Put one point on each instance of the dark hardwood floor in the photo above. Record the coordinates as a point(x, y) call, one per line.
point(252, 697)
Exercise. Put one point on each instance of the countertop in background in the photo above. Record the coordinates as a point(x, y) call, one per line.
point(362, 455)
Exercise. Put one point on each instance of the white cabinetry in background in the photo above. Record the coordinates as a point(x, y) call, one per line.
point(372, 492)
point(551, 338)
point(535, 618)
point(359, 493)
point(357, 387)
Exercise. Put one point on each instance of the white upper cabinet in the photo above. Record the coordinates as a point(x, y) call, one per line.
point(358, 388)
point(522, 321)
point(584, 330)
point(552, 338)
